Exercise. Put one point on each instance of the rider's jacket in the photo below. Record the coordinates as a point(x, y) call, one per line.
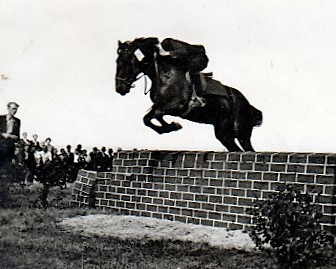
point(180, 49)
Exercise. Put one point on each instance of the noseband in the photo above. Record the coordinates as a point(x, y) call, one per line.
point(124, 80)
point(130, 81)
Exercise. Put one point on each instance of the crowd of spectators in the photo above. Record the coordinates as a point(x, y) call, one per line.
point(41, 159)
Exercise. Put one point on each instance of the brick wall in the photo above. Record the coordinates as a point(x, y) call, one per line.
point(209, 188)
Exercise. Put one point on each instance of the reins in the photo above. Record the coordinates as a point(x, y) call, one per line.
point(130, 83)
point(145, 88)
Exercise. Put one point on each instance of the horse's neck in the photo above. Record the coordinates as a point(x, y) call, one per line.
point(168, 81)
point(163, 74)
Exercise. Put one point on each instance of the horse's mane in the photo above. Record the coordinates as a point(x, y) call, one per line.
point(146, 45)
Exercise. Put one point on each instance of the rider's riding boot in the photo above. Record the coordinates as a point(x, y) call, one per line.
point(197, 83)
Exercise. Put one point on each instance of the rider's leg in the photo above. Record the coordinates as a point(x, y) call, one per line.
point(197, 99)
point(196, 81)
point(197, 64)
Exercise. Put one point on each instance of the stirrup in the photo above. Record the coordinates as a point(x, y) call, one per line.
point(200, 100)
point(194, 102)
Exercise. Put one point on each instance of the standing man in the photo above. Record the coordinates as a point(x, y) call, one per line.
point(9, 133)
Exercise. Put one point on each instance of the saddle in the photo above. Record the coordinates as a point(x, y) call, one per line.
point(209, 85)
point(203, 79)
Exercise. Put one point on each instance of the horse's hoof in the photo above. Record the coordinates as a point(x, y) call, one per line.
point(176, 126)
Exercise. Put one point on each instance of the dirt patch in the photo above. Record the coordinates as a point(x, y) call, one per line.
point(126, 227)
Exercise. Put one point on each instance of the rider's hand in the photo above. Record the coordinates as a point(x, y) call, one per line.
point(162, 52)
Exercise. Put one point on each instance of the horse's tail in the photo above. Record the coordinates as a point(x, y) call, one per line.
point(257, 117)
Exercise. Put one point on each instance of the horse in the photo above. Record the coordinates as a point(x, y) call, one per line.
point(226, 108)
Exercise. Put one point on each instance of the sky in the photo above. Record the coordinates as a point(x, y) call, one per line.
point(57, 60)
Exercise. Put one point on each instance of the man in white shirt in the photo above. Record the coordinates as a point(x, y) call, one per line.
point(46, 156)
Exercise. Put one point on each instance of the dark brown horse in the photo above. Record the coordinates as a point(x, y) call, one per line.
point(226, 108)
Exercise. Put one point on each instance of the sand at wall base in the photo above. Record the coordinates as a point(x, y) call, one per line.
point(141, 227)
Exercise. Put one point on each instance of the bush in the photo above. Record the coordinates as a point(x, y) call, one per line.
point(289, 222)
point(14, 192)
point(9, 175)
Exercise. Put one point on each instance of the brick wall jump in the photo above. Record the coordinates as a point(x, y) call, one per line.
point(208, 188)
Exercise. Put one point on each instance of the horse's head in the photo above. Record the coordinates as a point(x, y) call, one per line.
point(126, 67)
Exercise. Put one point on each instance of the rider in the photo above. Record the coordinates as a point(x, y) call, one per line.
point(195, 59)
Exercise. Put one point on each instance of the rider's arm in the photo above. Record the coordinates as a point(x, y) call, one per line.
point(177, 48)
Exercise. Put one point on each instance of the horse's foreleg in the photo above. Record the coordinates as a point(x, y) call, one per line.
point(169, 127)
point(148, 121)
point(158, 115)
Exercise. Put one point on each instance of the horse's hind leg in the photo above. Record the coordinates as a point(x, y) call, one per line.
point(227, 138)
point(245, 139)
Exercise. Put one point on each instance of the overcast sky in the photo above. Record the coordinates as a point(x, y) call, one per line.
point(59, 57)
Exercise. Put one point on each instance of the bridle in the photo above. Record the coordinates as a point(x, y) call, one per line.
point(129, 82)
point(125, 81)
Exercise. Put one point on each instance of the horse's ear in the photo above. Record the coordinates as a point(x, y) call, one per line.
point(119, 43)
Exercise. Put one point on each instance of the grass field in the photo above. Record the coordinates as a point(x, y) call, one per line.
point(31, 237)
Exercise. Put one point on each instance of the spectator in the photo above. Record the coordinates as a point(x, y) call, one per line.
point(9, 133)
point(94, 159)
point(87, 159)
point(26, 150)
point(31, 164)
point(79, 149)
point(23, 146)
point(46, 156)
point(81, 160)
point(76, 157)
point(69, 161)
point(24, 140)
point(70, 155)
point(36, 142)
point(54, 153)
point(47, 142)
point(43, 162)
point(110, 154)
point(103, 160)
point(37, 156)
point(19, 154)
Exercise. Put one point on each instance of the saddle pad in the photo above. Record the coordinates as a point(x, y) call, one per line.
point(215, 87)
point(211, 86)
